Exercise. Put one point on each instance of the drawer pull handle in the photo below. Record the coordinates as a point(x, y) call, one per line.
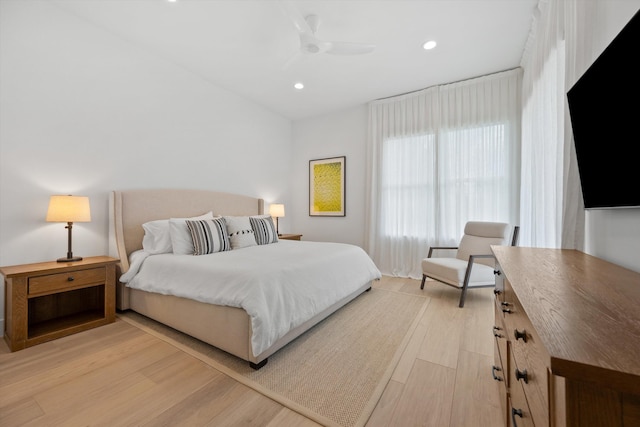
point(522, 375)
point(70, 279)
point(496, 333)
point(493, 372)
point(497, 272)
point(520, 335)
point(497, 291)
point(506, 310)
point(505, 304)
point(515, 412)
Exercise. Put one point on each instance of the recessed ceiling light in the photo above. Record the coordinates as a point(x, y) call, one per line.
point(172, 1)
point(298, 86)
point(429, 45)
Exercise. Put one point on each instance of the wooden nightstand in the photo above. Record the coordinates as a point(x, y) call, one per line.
point(49, 300)
point(289, 236)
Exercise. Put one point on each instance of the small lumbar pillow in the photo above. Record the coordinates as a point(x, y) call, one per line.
point(240, 232)
point(180, 235)
point(209, 236)
point(263, 229)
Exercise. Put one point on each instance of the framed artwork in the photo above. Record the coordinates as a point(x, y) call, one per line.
point(327, 187)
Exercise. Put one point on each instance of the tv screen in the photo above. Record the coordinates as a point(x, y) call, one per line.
point(604, 105)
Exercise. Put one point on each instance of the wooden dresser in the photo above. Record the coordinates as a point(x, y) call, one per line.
point(567, 334)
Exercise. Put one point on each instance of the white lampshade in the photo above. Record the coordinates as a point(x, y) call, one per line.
point(69, 209)
point(276, 210)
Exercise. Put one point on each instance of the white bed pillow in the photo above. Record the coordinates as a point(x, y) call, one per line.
point(209, 236)
point(180, 235)
point(157, 239)
point(263, 229)
point(240, 232)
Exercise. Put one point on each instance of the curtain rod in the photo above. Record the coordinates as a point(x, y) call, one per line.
point(444, 84)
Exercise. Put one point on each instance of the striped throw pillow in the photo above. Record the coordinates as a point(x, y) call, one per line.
point(263, 229)
point(209, 236)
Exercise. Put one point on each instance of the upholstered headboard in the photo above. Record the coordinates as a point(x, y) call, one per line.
point(132, 208)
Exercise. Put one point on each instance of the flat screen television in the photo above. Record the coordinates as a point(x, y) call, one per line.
point(604, 106)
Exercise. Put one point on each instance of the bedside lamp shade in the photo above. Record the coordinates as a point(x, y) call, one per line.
point(69, 209)
point(276, 210)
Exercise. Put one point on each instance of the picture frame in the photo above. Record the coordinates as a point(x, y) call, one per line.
point(327, 179)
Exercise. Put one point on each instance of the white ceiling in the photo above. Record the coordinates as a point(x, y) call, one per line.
point(243, 45)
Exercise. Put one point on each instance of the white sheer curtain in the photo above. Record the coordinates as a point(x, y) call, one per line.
point(542, 131)
point(558, 52)
point(438, 158)
point(578, 19)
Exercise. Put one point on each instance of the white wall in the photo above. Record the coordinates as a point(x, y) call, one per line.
point(342, 133)
point(84, 112)
point(614, 234)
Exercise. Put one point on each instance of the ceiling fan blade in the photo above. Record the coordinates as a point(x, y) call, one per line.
point(291, 11)
point(347, 48)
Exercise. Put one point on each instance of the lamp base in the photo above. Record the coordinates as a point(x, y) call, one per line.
point(72, 259)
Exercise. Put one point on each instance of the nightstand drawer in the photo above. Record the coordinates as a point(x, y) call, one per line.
point(74, 279)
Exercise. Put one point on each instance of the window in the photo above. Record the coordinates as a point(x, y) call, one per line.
point(459, 176)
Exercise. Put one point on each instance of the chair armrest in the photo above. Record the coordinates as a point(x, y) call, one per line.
point(439, 247)
point(472, 258)
point(481, 256)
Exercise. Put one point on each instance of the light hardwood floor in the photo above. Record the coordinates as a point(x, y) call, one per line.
point(116, 376)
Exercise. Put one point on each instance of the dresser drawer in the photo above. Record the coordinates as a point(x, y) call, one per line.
point(40, 285)
point(500, 355)
point(519, 412)
point(517, 416)
point(500, 374)
point(499, 288)
point(529, 368)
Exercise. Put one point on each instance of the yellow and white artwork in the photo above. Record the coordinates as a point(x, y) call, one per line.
point(326, 187)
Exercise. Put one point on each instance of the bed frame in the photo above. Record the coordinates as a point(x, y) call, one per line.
point(128, 210)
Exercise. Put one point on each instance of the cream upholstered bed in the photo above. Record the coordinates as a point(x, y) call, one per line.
point(130, 209)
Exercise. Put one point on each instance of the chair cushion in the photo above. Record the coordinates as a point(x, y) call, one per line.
point(452, 271)
point(478, 238)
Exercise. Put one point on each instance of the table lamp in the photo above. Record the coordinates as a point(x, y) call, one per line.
point(69, 209)
point(276, 210)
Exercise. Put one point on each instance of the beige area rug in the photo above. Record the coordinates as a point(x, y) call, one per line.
point(334, 373)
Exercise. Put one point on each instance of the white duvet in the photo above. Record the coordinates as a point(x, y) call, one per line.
point(280, 285)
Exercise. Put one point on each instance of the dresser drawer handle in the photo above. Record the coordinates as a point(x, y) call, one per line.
point(493, 372)
point(515, 412)
point(497, 291)
point(506, 310)
point(505, 304)
point(70, 279)
point(522, 375)
point(497, 272)
point(520, 335)
point(496, 333)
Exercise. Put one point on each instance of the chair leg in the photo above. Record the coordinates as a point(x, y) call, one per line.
point(465, 282)
point(463, 295)
point(423, 279)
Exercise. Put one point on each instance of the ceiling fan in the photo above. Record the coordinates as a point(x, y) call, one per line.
point(307, 27)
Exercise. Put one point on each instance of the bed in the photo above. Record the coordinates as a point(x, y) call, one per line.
point(248, 301)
